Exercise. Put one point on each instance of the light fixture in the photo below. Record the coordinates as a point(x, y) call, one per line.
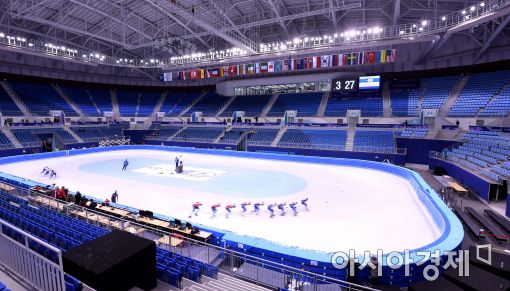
point(482, 4)
point(2, 35)
point(401, 32)
point(443, 18)
point(472, 8)
point(424, 23)
point(463, 12)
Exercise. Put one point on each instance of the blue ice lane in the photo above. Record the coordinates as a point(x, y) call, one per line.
point(237, 181)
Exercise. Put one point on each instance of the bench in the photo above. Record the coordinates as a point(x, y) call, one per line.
point(485, 223)
point(500, 220)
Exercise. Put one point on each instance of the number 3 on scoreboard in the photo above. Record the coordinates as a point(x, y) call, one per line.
point(338, 85)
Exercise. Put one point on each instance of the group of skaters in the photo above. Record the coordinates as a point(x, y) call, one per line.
point(282, 207)
point(48, 172)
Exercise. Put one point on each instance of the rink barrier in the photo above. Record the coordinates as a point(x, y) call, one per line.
point(445, 221)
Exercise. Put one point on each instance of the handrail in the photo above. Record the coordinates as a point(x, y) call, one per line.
point(124, 223)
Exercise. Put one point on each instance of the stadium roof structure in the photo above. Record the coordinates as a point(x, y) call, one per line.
point(171, 34)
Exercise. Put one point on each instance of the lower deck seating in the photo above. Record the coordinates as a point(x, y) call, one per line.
point(204, 134)
point(315, 139)
point(374, 141)
point(5, 143)
point(97, 133)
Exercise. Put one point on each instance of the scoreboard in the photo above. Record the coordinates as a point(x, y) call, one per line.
point(354, 84)
point(345, 85)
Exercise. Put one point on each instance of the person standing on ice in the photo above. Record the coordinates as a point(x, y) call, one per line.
point(256, 207)
point(214, 209)
point(270, 208)
point(115, 197)
point(196, 208)
point(176, 163)
point(229, 209)
point(126, 163)
point(53, 174)
point(281, 206)
point(304, 202)
point(243, 206)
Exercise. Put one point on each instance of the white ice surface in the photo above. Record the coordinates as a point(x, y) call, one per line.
point(350, 208)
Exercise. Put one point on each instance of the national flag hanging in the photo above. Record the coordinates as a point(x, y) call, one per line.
point(316, 62)
point(250, 69)
point(334, 60)
point(232, 70)
point(343, 60)
point(241, 70)
point(325, 62)
point(301, 64)
point(369, 57)
point(215, 72)
point(263, 67)
point(278, 66)
point(390, 56)
point(286, 65)
point(270, 67)
point(193, 74)
point(352, 59)
point(383, 56)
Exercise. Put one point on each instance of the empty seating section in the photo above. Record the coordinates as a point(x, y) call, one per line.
point(148, 101)
point(405, 102)
point(499, 106)
point(306, 104)
point(414, 132)
point(7, 105)
point(485, 152)
point(97, 133)
point(262, 136)
point(172, 267)
point(205, 134)
point(252, 105)
point(102, 98)
point(232, 136)
point(165, 132)
point(478, 91)
point(128, 102)
point(437, 90)
point(209, 105)
point(315, 139)
point(176, 102)
point(5, 143)
point(40, 98)
point(374, 141)
point(81, 99)
point(338, 105)
point(29, 136)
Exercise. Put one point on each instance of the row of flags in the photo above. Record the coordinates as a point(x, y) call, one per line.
point(325, 61)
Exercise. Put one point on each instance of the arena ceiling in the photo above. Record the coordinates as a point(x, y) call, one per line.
point(166, 28)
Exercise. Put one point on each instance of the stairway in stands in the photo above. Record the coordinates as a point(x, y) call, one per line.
point(349, 143)
point(68, 100)
point(225, 106)
point(21, 105)
point(77, 137)
point(193, 103)
point(322, 105)
point(269, 105)
point(386, 100)
point(157, 108)
point(11, 137)
point(223, 283)
point(278, 136)
point(454, 94)
point(115, 104)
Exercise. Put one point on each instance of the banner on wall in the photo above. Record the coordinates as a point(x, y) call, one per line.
point(297, 64)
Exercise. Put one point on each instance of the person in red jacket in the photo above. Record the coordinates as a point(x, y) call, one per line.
point(196, 208)
point(229, 209)
point(214, 209)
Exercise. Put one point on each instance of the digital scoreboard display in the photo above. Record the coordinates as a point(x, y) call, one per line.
point(345, 85)
point(370, 83)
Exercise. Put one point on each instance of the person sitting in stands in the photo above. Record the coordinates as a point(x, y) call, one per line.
point(83, 202)
point(92, 205)
point(56, 192)
point(77, 198)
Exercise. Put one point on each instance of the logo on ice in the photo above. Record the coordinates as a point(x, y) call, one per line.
point(397, 260)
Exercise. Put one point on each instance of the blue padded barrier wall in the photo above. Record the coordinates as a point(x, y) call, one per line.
point(418, 148)
point(446, 222)
point(398, 159)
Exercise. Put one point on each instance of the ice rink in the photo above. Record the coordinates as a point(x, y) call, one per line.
point(350, 207)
